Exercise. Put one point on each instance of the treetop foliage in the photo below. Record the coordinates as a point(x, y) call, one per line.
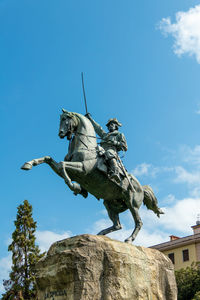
point(188, 282)
point(25, 254)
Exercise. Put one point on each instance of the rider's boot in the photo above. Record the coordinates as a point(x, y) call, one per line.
point(114, 170)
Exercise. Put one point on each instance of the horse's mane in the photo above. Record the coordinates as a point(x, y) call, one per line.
point(85, 126)
point(85, 129)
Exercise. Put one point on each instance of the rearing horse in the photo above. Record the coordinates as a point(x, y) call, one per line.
point(84, 170)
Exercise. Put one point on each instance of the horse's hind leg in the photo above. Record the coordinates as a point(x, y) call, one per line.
point(133, 203)
point(138, 224)
point(114, 216)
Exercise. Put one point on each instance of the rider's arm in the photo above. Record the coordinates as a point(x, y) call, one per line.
point(121, 143)
point(98, 129)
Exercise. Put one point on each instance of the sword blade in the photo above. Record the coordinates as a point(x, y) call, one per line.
point(84, 93)
point(125, 173)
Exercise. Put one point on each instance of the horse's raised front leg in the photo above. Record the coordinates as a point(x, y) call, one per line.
point(60, 169)
point(34, 162)
point(57, 167)
point(114, 218)
point(73, 167)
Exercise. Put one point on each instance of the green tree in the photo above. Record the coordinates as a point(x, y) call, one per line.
point(197, 296)
point(188, 282)
point(25, 254)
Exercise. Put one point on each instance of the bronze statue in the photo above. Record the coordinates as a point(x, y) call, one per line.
point(98, 170)
point(111, 142)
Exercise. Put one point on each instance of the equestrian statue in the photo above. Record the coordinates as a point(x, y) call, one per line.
point(96, 168)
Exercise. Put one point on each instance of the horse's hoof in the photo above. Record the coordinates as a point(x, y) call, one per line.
point(102, 232)
point(129, 241)
point(160, 212)
point(47, 158)
point(118, 227)
point(26, 167)
point(84, 193)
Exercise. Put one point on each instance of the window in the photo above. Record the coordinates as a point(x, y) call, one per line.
point(171, 256)
point(185, 255)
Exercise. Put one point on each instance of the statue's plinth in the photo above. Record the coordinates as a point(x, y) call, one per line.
point(96, 267)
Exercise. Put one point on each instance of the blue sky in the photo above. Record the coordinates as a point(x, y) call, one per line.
point(141, 62)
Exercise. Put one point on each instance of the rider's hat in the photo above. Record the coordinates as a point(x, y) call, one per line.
point(114, 120)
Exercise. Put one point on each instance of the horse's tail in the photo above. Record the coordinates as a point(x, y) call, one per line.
point(151, 201)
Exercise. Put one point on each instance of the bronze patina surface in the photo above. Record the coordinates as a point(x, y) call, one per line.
point(90, 168)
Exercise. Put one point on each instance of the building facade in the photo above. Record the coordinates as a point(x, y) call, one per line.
point(182, 251)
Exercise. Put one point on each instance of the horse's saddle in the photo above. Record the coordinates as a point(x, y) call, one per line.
point(102, 164)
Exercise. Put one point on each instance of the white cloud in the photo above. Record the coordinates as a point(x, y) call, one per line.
point(169, 199)
point(178, 217)
point(195, 192)
point(198, 110)
point(188, 174)
point(145, 237)
point(100, 225)
point(185, 32)
point(5, 267)
point(145, 169)
point(150, 170)
point(149, 238)
point(177, 220)
point(183, 176)
point(181, 216)
point(46, 238)
point(191, 155)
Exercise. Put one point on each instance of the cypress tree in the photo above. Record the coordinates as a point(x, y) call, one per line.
point(25, 254)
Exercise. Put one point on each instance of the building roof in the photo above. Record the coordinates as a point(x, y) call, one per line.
point(190, 239)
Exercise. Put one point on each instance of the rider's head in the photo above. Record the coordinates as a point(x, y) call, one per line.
point(113, 124)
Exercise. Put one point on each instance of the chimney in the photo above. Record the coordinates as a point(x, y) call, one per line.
point(196, 228)
point(173, 237)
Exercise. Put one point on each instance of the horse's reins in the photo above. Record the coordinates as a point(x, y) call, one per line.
point(91, 136)
point(80, 133)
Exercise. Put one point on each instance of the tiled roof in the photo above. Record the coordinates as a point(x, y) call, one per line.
point(190, 239)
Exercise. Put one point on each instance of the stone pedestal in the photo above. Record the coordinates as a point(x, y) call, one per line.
point(91, 267)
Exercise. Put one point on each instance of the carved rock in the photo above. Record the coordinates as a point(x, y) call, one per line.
point(90, 267)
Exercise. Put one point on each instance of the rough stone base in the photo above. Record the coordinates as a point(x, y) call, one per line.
point(90, 267)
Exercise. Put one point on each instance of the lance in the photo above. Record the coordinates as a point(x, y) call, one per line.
point(121, 164)
point(84, 93)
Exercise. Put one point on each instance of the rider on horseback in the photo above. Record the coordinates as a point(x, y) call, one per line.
point(112, 142)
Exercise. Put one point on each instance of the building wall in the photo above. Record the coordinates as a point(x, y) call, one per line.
point(198, 251)
point(178, 256)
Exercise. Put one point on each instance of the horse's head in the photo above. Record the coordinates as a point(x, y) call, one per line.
point(68, 124)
